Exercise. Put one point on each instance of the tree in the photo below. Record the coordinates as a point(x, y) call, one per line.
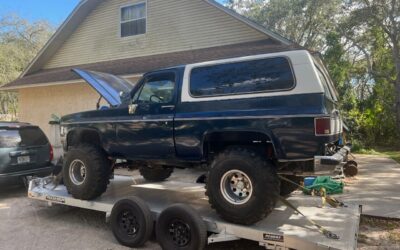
point(20, 41)
point(359, 41)
point(306, 22)
point(367, 15)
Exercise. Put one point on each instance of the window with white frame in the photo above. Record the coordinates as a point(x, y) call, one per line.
point(133, 20)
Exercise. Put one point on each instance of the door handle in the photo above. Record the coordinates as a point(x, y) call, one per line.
point(168, 106)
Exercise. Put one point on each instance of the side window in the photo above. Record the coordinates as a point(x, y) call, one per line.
point(263, 75)
point(157, 89)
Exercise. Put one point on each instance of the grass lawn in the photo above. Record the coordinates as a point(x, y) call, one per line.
point(391, 152)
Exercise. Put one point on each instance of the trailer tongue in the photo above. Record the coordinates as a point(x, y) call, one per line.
point(282, 229)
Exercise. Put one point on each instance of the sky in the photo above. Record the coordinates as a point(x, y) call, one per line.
point(54, 11)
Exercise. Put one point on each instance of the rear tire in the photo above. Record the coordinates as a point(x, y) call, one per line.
point(86, 172)
point(242, 186)
point(156, 173)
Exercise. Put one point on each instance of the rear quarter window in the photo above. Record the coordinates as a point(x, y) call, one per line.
point(23, 137)
point(262, 75)
point(9, 138)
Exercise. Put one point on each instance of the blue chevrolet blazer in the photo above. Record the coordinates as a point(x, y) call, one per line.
point(247, 120)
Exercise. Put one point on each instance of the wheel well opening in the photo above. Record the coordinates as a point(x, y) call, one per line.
point(219, 141)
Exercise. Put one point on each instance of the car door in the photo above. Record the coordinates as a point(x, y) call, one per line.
point(147, 131)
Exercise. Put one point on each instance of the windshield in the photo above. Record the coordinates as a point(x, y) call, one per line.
point(23, 137)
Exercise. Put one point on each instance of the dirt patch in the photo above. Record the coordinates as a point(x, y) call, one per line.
point(379, 233)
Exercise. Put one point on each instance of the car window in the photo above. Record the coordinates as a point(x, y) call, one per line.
point(22, 137)
point(157, 89)
point(9, 138)
point(263, 75)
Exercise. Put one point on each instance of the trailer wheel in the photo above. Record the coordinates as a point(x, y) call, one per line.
point(131, 222)
point(350, 169)
point(156, 173)
point(181, 227)
point(287, 188)
point(86, 172)
point(242, 186)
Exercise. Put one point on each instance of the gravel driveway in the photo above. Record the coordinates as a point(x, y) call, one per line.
point(30, 224)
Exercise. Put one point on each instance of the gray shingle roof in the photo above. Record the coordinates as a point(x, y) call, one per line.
point(139, 65)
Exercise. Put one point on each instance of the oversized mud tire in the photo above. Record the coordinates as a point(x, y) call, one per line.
point(86, 172)
point(287, 188)
point(181, 227)
point(156, 173)
point(242, 186)
point(131, 222)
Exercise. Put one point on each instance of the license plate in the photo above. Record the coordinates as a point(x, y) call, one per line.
point(23, 159)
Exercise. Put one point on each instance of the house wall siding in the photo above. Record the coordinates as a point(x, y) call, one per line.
point(36, 105)
point(172, 25)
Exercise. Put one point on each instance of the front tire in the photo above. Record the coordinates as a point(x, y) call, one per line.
point(242, 186)
point(86, 172)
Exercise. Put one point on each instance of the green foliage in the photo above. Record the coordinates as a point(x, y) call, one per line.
point(358, 41)
point(20, 41)
point(304, 21)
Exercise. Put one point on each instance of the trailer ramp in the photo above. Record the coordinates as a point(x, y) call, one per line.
point(282, 229)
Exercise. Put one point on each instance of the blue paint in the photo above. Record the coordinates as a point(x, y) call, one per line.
point(181, 134)
point(54, 11)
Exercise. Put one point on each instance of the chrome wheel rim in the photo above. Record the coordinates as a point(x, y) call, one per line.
point(77, 172)
point(236, 187)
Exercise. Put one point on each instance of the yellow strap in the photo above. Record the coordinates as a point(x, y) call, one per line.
point(325, 198)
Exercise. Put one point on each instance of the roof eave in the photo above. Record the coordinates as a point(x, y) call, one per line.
point(57, 39)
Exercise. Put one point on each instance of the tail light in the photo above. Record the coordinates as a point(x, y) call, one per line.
point(51, 153)
point(323, 126)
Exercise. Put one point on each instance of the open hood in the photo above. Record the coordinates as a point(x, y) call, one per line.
point(112, 88)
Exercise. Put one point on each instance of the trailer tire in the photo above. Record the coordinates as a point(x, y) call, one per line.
point(156, 173)
point(86, 172)
point(350, 169)
point(287, 188)
point(242, 186)
point(181, 227)
point(128, 213)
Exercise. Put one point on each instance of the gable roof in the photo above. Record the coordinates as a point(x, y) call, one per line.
point(139, 65)
point(81, 11)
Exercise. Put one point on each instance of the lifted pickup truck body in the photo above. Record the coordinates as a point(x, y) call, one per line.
point(279, 106)
point(179, 131)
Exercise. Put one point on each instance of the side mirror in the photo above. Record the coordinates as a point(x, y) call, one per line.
point(124, 96)
point(132, 108)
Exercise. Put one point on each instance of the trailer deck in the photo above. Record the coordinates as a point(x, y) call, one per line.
point(282, 229)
